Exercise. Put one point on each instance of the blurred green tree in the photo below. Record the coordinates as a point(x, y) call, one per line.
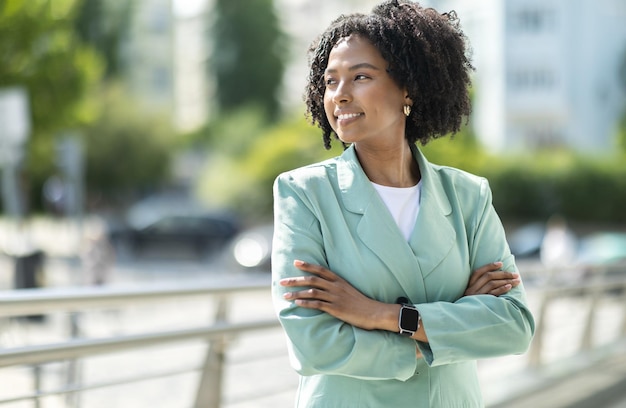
point(248, 55)
point(40, 51)
point(127, 153)
point(104, 24)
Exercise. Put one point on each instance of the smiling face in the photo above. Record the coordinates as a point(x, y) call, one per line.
point(362, 102)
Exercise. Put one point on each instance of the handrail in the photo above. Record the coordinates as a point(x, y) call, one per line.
point(46, 300)
point(38, 354)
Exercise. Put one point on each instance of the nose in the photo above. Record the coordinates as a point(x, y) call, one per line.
point(342, 93)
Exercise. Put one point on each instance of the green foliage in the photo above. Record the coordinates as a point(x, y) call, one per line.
point(126, 151)
point(591, 189)
point(40, 51)
point(248, 55)
point(461, 151)
point(233, 133)
point(244, 182)
point(103, 24)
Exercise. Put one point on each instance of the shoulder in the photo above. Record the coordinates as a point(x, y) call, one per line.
point(457, 176)
point(461, 184)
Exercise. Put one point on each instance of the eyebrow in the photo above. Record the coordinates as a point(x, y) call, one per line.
point(355, 67)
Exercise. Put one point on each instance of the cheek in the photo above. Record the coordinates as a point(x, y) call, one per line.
point(329, 108)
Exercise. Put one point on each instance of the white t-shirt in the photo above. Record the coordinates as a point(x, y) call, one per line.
point(403, 204)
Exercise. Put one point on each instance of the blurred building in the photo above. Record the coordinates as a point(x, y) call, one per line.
point(547, 71)
point(165, 55)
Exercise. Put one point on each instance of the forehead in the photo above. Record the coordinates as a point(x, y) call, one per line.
point(355, 49)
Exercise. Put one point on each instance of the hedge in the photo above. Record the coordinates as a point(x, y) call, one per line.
point(586, 190)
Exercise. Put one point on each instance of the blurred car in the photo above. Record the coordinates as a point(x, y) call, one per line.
point(603, 248)
point(199, 235)
point(251, 249)
point(525, 241)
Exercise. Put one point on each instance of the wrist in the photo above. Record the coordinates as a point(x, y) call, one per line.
point(387, 317)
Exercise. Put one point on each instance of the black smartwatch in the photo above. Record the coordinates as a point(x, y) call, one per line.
point(409, 320)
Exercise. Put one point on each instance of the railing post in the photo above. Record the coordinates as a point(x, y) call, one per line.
point(209, 394)
point(73, 366)
point(37, 384)
point(586, 343)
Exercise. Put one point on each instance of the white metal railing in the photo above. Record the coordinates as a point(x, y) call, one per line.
point(601, 281)
point(43, 301)
point(604, 280)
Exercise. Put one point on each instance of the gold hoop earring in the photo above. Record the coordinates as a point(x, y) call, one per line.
point(407, 110)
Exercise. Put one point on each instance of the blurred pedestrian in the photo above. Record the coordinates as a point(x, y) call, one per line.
point(559, 244)
point(391, 275)
point(98, 256)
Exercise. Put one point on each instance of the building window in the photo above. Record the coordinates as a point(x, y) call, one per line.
point(533, 20)
point(532, 79)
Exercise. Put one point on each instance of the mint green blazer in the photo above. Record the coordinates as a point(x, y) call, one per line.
point(329, 214)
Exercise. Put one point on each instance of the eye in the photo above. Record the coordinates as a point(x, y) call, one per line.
point(330, 81)
point(360, 77)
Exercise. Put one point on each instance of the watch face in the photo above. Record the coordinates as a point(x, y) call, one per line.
point(409, 319)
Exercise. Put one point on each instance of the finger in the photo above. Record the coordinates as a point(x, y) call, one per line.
point(478, 273)
point(493, 287)
point(496, 276)
point(311, 293)
point(310, 281)
point(315, 269)
point(501, 290)
point(311, 304)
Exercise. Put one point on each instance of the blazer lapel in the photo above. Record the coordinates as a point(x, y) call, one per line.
point(433, 236)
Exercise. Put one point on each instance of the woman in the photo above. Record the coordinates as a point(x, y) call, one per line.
point(374, 250)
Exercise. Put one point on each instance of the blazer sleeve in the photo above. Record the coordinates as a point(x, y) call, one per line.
point(319, 343)
point(479, 326)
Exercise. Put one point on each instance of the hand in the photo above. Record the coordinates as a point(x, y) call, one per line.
point(328, 292)
point(490, 280)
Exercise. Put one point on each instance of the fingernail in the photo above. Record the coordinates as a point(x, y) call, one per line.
point(287, 295)
point(498, 264)
point(298, 262)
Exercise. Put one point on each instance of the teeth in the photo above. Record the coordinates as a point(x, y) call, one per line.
point(348, 115)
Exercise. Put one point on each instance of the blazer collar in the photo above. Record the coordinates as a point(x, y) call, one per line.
point(356, 188)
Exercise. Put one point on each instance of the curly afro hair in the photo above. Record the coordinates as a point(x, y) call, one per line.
point(427, 55)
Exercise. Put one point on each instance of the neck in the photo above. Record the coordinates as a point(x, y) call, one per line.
point(394, 167)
